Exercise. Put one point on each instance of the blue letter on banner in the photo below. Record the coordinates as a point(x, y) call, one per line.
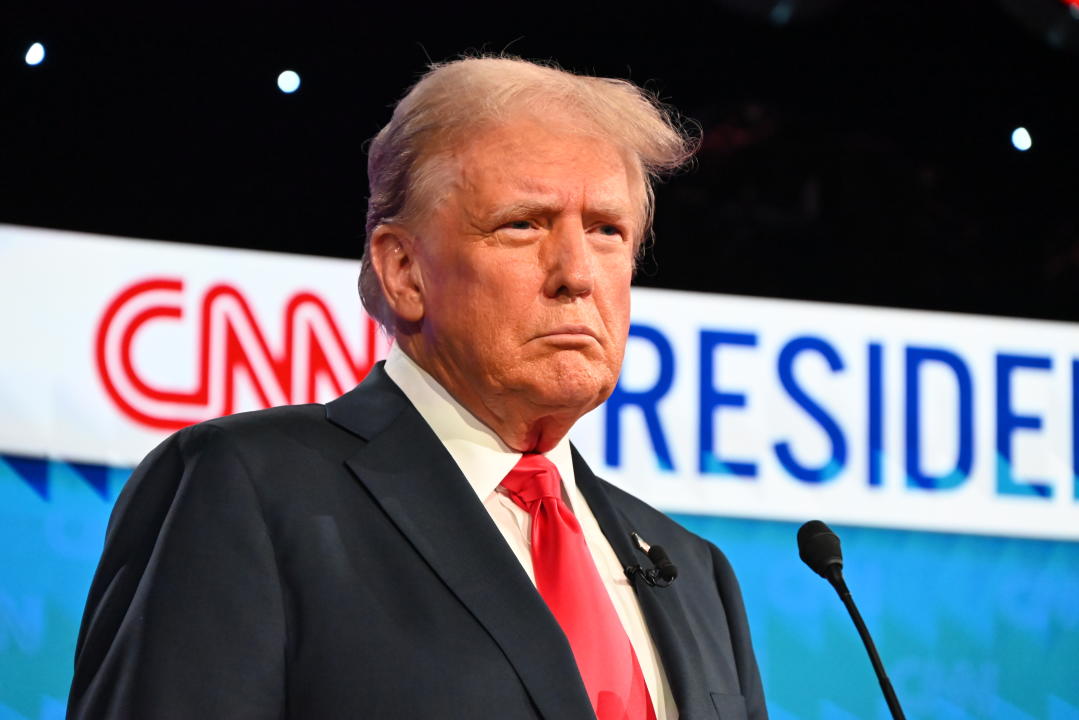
point(1008, 422)
point(1075, 426)
point(712, 398)
point(838, 459)
point(876, 415)
point(646, 400)
point(915, 477)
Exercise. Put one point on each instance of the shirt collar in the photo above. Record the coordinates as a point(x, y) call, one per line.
point(478, 451)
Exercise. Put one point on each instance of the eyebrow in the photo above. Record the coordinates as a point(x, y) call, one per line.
point(550, 207)
point(525, 208)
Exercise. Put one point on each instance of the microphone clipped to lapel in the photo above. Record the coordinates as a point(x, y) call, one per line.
point(662, 573)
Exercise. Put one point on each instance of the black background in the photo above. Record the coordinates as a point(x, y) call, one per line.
point(858, 151)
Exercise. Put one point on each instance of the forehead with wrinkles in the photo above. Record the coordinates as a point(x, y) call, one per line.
point(517, 166)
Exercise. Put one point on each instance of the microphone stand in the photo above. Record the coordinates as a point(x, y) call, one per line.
point(835, 577)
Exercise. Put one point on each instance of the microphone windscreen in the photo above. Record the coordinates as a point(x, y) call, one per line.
point(819, 547)
point(667, 570)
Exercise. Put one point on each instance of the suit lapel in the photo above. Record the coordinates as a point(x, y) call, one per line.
point(416, 482)
point(661, 607)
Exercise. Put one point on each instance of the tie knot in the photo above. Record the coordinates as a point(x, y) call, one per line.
point(533, 477)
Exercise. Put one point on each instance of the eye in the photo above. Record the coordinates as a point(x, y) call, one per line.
point(608, 230)
point(518, 225)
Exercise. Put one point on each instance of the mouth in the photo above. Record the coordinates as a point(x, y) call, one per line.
point(570, 335)
point(572, 330)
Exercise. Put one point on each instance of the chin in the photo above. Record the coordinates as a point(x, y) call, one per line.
point(574, 386)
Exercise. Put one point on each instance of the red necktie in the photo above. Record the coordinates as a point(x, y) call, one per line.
point(567, 578)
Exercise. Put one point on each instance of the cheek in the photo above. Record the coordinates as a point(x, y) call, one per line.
point(461, 292)
point(617, 292)
point(487, 315)
point(617, 351)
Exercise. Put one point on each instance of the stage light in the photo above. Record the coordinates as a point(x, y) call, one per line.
point(781, 13)
point(288, 82)
point(35, 54)
point(1021, 139)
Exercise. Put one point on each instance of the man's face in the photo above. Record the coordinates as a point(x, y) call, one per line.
point(525, 267)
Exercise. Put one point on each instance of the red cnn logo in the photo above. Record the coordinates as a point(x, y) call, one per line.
point(231, 346)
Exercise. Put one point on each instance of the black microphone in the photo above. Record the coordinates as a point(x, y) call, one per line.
point(662, 573)
point(819, 548)
point(666, 570)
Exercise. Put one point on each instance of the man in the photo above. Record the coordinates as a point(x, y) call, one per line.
point(429, 545)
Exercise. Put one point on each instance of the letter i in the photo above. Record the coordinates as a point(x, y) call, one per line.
point(875, 426)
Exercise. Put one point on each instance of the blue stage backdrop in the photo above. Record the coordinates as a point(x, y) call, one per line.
point(971, 628)
point(943, 448)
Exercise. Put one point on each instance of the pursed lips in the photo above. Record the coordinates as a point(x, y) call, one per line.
point(570, 332)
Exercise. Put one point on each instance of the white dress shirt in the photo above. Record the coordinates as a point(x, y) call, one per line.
point(485, 460)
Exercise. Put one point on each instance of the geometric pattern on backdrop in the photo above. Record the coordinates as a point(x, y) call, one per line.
point(970, 627)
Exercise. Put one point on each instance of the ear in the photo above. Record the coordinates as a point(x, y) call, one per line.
point(394, 259)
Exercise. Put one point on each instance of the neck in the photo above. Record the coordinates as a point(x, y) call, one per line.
point(538, 435)
point(520, 423)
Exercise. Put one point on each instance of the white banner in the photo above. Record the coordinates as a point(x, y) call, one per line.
point(110, 344)
point(726, 406)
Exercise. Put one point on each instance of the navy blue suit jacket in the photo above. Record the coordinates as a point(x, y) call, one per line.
point(318, 562)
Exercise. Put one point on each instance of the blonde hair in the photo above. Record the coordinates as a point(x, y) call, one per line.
point(454, 99)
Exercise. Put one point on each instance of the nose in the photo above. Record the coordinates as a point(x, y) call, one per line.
point(568, 261)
